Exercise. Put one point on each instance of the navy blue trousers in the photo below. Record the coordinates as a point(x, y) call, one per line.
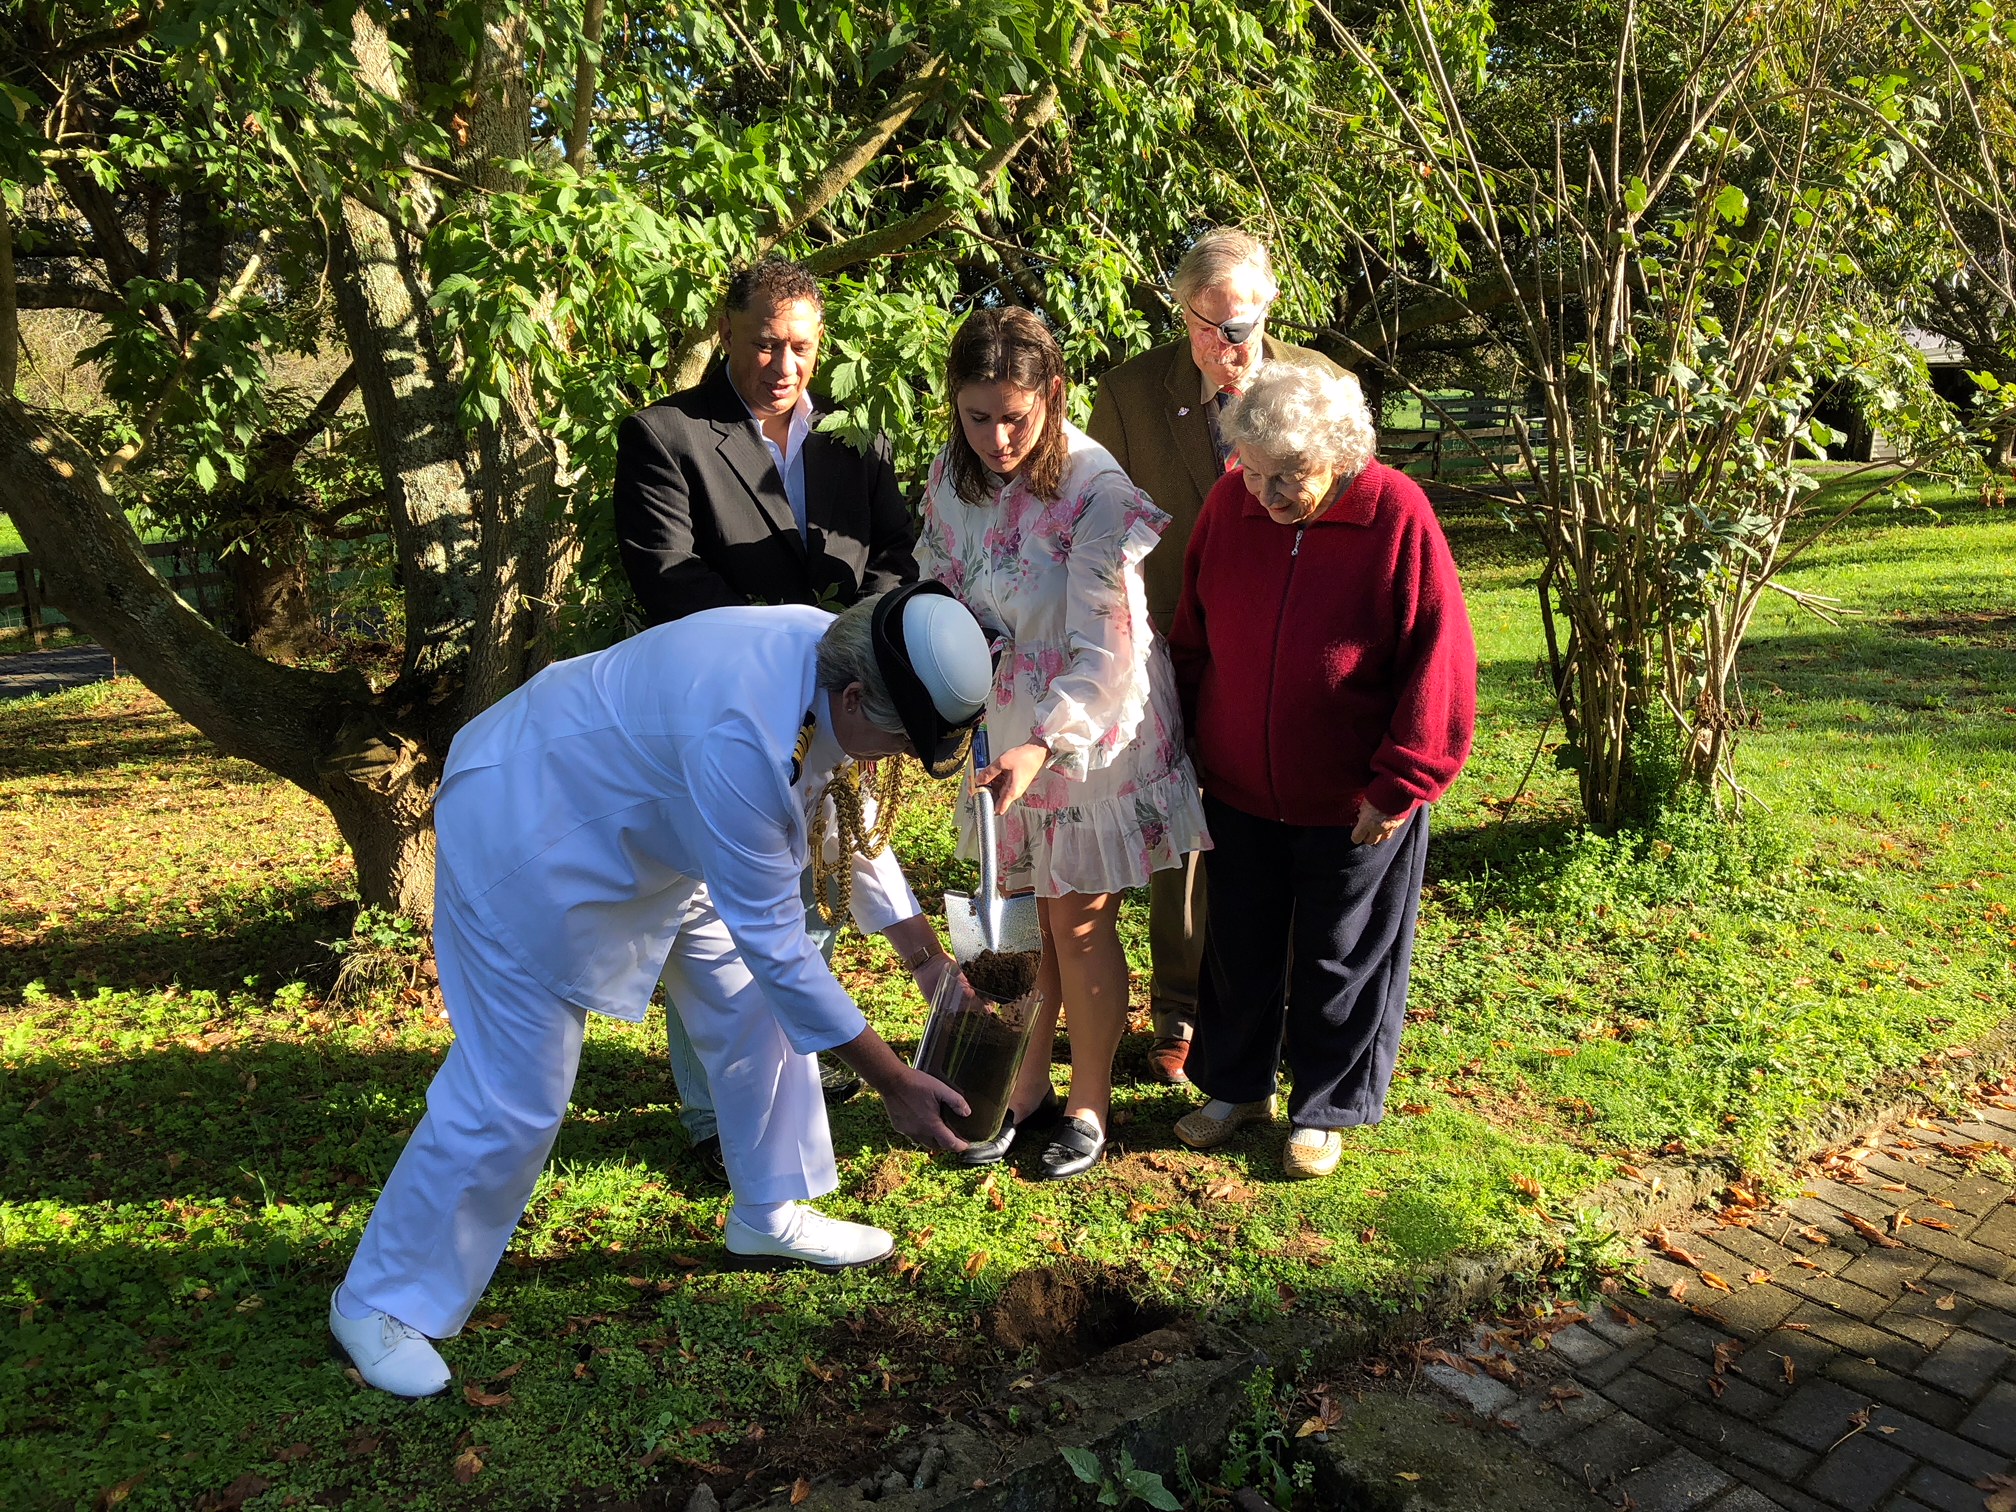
point(1311, 934)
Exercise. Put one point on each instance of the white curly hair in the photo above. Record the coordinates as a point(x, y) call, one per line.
point(1303, 415)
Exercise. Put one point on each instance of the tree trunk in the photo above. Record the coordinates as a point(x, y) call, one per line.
point(270, 597)
point(368, 757)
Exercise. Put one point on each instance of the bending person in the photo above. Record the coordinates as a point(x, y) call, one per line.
point(642, 808)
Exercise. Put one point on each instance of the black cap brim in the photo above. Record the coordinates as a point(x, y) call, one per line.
point(938, 742)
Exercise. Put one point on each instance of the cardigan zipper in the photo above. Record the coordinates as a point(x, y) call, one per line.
point(1273, 665)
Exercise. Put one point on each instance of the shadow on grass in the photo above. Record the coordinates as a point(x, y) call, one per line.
point(1930, 669)
point(75, 746)
point(271, 934)
point(311, 1120)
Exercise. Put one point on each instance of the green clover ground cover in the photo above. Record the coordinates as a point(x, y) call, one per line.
point(191, 1134)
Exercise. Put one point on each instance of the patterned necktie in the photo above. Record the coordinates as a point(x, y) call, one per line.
point(1218, 444)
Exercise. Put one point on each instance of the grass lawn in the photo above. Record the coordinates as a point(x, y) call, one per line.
point(191, 1135)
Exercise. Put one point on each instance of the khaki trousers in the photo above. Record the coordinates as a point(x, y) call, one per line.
point(1175, 945)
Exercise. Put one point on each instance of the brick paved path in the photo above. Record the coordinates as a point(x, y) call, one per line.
point(1838, 1371)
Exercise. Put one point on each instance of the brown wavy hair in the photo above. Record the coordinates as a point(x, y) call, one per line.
point(1007, 346)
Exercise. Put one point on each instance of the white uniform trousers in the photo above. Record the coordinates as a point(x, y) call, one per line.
point(494, 1108)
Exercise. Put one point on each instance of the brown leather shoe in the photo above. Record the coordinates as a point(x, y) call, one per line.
point(1165, 1060)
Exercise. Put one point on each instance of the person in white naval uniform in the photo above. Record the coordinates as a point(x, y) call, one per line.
point(646, 807)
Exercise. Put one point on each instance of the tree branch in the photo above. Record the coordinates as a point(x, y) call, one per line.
point(59, 294)
point(866, 145)
point(10, 318)
point(282, 449)
point(1036, 112)
point(135, 449)
point(586, 63)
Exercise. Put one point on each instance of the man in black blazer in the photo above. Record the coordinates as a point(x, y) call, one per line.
point(727, 494)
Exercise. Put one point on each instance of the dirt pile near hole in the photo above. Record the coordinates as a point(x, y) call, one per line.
point(1068, 1313)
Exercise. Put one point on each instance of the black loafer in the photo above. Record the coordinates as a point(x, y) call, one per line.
point(837, 1084)
point(1044, 1115)
point(1075, 1149)
point(708, 1152)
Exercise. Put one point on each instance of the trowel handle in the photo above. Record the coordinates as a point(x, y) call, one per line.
point(990, 866)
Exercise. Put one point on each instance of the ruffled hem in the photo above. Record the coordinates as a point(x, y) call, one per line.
point(1101, 846)
point(1082, 745)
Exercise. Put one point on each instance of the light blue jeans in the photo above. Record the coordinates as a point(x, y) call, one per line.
point(696, 1098)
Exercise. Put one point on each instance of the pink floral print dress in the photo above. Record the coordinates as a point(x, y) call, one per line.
point(1058, 585)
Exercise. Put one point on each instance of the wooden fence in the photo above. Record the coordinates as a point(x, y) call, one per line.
point(1469, 437)
point(189, 568)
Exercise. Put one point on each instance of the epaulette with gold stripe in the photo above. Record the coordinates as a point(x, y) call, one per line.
point(805, 733)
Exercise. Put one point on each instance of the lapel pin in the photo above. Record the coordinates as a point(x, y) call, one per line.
point(1182, 412)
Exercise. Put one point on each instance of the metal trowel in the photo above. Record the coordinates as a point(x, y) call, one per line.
point(990, 921)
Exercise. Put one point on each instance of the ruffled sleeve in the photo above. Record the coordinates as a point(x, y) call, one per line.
point(1093, 708)
point(937, 558)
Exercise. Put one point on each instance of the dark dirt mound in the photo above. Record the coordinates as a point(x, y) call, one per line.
point(1003, 975)
point(1068, 1313)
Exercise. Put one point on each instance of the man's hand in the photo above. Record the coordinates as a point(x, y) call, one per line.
point(1010, 774)
point(1373, 826)
point(916, 1106)
point(932, 976)
point(914, 1101)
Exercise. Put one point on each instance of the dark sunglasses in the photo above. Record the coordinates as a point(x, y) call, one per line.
point(1236, 332)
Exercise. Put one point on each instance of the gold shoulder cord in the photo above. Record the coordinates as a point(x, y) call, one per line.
point(836, 903)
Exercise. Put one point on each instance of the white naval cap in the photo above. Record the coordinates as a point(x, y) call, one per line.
point(933, 656)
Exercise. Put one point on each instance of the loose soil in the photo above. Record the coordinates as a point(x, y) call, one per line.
point(1003, 975)
point(1068, 1313)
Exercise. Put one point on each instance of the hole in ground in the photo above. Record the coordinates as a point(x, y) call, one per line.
point(1070, 1312)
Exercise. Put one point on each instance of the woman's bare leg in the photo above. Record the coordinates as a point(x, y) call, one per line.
point(1081, 943)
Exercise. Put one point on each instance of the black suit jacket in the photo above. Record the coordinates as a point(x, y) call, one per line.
point(702, 519)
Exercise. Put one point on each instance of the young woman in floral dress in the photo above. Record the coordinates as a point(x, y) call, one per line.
point(1038, 531)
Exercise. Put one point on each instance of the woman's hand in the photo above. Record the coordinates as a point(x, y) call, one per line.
point(1010, 774)
point(1374, 827)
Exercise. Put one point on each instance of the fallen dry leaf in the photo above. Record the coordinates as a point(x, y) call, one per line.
point(1726, 1353)
point(1788, 1369)
point(1870, 1231)
point(800, 1489)
point(468, 1465)
point(479, 1398)
point(1812, 1235)
point(1407, 1475)
point(1678, 1289)
point(1947, 1303)
point(1711, 1279)
point(1936, 1223)
point(1758, 1277)
point(1527, 1185)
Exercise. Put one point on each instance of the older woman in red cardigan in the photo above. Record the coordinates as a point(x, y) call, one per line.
point(1329, 679)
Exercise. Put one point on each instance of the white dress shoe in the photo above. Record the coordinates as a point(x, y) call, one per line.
point(388, 1354)
point(810, 1238)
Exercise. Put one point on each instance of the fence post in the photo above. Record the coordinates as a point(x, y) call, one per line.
point(29, 577)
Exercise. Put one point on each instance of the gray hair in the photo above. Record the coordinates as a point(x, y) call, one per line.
point(1297, 413)
point(847, 655)
point(1216, 257)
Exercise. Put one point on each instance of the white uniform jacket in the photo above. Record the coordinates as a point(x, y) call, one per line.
point(579, 816)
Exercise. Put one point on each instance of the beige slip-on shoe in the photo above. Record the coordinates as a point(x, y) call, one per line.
point(1201, 1131)
point(1313, 1159)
